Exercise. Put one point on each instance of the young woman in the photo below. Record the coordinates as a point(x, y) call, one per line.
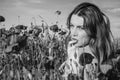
point(91, 44)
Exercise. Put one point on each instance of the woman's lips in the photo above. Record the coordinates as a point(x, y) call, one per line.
point(74, 41)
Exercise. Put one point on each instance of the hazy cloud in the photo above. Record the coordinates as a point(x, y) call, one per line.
point(46, 8)
point(114, 10)
point(107, 3)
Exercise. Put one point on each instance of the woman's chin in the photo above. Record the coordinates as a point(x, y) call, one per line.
point(76, 45)
point(80, 45)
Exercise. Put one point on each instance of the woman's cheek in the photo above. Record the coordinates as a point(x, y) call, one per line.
point(83, 40)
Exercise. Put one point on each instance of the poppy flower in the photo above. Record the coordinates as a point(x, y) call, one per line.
point(21, 27)
point(54, 28)
point(85, 58)
point(2, 19)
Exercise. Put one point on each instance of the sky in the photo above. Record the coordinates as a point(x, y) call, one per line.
point(27, 11)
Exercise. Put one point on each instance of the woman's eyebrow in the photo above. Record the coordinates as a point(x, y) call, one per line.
point(80, 26)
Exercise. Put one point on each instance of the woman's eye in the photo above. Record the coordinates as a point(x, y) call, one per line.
point(71, 26)
point(80, 27)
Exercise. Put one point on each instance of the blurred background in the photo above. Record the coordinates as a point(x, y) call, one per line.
point(27, 11)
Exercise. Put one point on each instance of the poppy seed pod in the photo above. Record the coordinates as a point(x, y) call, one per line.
point(2, 30)
point(30, 31)
point(12, 30)
point(37, 32)
point(7, 33)
point(62, 33)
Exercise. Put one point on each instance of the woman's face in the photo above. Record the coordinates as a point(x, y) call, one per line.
point(78, 34)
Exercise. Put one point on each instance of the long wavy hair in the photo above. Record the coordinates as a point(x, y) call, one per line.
point(97, 26)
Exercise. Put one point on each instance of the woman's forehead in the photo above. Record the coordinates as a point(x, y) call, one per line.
point(77, 20)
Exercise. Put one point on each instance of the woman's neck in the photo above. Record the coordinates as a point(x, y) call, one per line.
point(81, 50)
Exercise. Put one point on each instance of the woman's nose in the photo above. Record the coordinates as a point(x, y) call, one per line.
point(74, 32)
